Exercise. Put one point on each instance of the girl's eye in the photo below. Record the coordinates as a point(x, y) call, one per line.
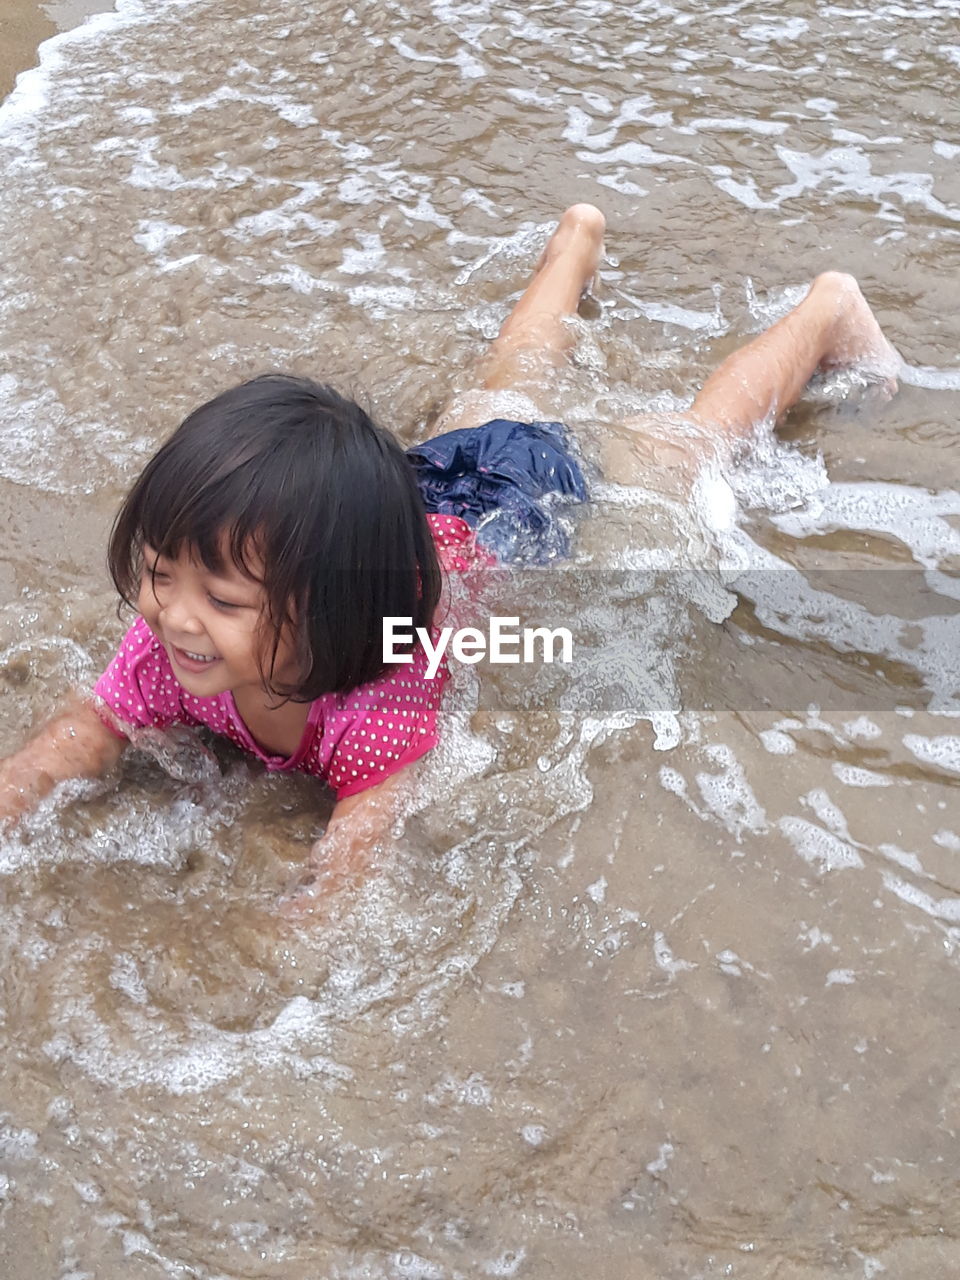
point(223, 604)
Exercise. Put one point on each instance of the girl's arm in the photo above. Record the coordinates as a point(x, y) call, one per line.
point(74, 744)
point(342, 853)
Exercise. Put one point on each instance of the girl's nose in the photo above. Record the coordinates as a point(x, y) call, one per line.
point(178, 615)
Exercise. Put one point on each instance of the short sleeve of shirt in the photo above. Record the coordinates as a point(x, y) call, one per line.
point(138, 688)
point(378, 729)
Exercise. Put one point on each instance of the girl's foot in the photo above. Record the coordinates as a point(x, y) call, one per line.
point(832, 327)
point(579, 233)
point(856, 340)
point(536, 338)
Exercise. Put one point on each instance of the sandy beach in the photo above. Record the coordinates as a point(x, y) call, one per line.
point(24, 24)
point(654, 975)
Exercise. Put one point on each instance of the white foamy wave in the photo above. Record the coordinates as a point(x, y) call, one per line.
point(775, 32)
point(709, 323)
point(143, 835)
point(845, 171)
point(941, 751)
point(728, 795)
point(929, 378)
point(790, 603)
point(818, 846)
point(947, 909)
point(917, 518)
point(24, 107)
point(855, 776)
point(736, 124)
point(197, 1057)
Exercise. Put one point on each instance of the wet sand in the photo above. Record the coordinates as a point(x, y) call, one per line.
point(24, 24)
point(603, 1009)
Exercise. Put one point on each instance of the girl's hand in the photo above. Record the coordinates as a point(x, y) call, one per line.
point(75, 744)
point(342, 854)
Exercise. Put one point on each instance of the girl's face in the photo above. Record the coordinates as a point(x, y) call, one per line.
point(213, 626)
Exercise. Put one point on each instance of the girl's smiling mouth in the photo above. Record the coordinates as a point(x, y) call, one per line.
point(192, 661)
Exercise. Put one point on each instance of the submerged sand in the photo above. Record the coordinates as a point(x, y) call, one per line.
point(24, 24)
point(606, 1007)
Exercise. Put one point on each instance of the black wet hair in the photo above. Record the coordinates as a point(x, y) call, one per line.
point(287, 472)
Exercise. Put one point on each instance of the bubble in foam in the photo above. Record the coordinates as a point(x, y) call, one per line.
point(902, 858)
point(411, 1266)
point(673, 781)
point(777, 743)
point(943, 751)
point(917, 518)
point(666, 729)
point(506, 1264)
point(856, 776)
point(829, 813)
point(714, 500)
point(664, 958)
point(728, 795)
point(818, 846)
point(126, 977)
point(929, 378)
point(775, 32)
point(772, 476)
point(863, 728)
point(939, 908)
point(17, 1144)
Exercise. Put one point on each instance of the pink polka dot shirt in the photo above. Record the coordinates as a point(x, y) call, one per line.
point(352, 741)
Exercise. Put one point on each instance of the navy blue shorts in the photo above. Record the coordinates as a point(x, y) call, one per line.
point(508, 480)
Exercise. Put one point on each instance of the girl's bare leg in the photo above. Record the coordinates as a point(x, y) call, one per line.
point(832, 326)
point(535, 339)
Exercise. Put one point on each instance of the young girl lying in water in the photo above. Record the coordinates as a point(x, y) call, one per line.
point(267, 540)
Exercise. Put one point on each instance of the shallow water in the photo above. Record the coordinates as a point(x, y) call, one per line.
point(658, 979)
